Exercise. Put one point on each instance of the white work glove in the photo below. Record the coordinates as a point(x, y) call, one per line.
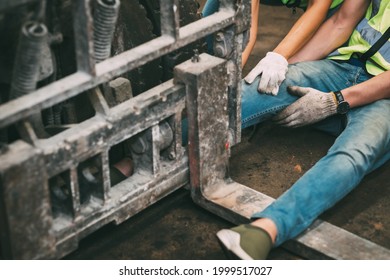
point(272, 68)
point(312, 106)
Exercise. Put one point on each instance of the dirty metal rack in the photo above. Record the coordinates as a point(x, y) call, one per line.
point(206, 88)
point(150, 123)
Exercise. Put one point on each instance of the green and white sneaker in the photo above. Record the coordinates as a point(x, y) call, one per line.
point(245, 242)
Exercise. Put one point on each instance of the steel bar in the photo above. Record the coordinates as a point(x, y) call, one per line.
point(170, 18)
point(82, 25)
point(124, 121)
point(26, 210)
point(236, 203)
point(74, 84)
point(62, 154)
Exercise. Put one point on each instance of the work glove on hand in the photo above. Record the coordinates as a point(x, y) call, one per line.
point(272, 68)
point(312, 106)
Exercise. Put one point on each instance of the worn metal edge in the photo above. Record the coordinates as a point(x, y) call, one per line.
point(321, 240)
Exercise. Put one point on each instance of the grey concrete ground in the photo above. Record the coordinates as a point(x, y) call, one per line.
point(176, 228)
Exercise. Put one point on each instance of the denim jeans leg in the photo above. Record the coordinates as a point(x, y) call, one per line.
point(210, 8)
point(324, 75)
point(363, 146)
point(257, 107)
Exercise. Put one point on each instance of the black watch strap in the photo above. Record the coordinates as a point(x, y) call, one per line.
point(339, 96)
point(342, 105)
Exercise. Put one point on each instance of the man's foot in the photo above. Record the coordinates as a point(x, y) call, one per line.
point(245, 242)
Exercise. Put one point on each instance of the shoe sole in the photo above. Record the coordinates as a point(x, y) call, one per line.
point(230, 242)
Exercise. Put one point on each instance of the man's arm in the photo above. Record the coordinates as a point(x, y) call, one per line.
point(298, 35)
point(274, 65)
point(314, 105)
point(255, 9)
point(334, 32)
point(369, 91)
point(305, 27)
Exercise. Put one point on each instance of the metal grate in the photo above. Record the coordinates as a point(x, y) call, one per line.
point(56, 189)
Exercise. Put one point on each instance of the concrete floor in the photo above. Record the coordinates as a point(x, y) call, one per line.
point(176, 228)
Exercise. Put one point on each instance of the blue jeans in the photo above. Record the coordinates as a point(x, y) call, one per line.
point(210, 7)
point(362, 144)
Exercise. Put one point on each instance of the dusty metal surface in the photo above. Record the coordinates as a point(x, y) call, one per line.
point(64, 192)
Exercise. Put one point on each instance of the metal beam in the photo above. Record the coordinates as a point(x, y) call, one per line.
point(74, 84)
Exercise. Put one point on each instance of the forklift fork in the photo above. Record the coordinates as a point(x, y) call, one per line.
point(212, 188)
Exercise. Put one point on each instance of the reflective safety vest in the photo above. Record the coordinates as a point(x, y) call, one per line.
point(303, 3)
point(366, 33)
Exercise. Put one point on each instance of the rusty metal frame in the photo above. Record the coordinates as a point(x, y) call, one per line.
point(27, 165)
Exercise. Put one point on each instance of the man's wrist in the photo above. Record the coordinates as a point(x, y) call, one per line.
point(342, 105)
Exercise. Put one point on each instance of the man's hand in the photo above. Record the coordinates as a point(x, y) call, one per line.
point(272, 68)
point(312, 106)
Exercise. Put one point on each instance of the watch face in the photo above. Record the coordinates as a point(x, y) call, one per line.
point(343, 108)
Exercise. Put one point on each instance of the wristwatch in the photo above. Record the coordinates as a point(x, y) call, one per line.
point(342, 105)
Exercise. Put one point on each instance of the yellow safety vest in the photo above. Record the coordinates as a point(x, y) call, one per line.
point(366, 33)
point(303, 3)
